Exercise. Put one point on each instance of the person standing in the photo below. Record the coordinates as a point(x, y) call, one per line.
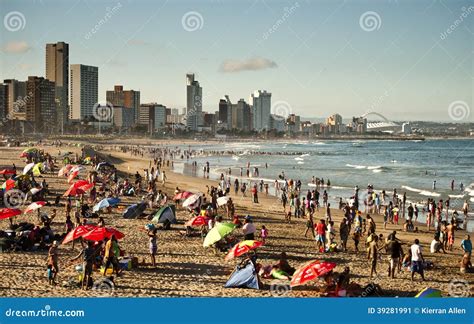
point(309, 225)
point(417, 260)
point(321, 234)
point(248, 229)
point(394, 251)
point(53, 260)
point(372, 256)
point(344, 230)
point(153, 246)
point(88, 256)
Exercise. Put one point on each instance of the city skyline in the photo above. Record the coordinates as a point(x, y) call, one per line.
point(394, 69)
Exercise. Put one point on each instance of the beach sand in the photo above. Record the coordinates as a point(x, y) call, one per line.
point(185, 269)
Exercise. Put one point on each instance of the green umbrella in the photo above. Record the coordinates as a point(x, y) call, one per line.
point(429, 292)
point(219, 231)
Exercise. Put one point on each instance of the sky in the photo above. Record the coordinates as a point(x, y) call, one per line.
point(407, 60)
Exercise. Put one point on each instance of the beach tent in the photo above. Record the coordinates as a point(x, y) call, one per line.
point(106, 202)
point(218, 232)
point(134, 210)
point(165, 213)
point(429, 292)
point(243, 277)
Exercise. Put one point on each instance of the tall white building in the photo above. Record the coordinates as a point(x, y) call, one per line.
point(84, 91)
point(261, 109)
point(193, 103)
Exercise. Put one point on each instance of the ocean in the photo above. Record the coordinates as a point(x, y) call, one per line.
point(408, 166)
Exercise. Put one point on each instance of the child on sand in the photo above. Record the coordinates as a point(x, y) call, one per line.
point(50, 273)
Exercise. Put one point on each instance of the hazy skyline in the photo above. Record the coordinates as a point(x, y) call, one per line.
point(321, 57)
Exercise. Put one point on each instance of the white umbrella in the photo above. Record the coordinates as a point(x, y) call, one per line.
point(28, 167)
point(192, 201)
point(34, 191)
point(221, 201)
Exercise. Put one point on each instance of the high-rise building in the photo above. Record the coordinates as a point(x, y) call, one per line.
point(3, 101)
point(57, 71)
point(193, 103)
point(223, 107)
point(123, 117)
point(15, 99)
point(153, 115)
point(125, 98)
point(41, 111)
point(334, 123)
point(243, 115)
point(84, 91)
point(261, 110)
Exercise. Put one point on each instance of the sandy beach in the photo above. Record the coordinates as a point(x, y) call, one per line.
point(185, 268)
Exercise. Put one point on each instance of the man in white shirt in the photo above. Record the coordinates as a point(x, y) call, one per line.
point(416, 260)
point(249, 229)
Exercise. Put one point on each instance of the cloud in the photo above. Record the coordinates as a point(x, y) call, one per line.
point(252, 64)
point(137, 42)
point(16, 47)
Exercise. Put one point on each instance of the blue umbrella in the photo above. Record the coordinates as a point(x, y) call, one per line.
point(134, 210)
point(107, 202)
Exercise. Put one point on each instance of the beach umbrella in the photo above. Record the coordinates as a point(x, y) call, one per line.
point(134, 210)
point(9, 212)
point(78, 168)
point(28, 151)
point(218, 232)
point(165, 213)
point(107, 202)
point(221, 201)
point(7, 171)
point(100, 233)
point(73, 191)
point(78, 232)
point(37, 168)
point(429, 292)
point(34, 191)
point(192, 201)
point(28, 167)
point(34, 206)
point(242, 247)
point(9, 184)
point(64, 171)
point(84, 185)
point(103, 165)
point(182, 195)
point(72, 176)
point(197, 221)
point(310, 271)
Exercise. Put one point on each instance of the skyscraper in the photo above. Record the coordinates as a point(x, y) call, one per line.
point(41, 105)
point(193, 103)
point(57, 71)
point(15, 98)
point(125, 98)
point(3, 101)
point(261, 109)
point(84, 91)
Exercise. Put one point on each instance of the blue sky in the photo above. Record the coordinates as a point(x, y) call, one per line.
point(319, 57)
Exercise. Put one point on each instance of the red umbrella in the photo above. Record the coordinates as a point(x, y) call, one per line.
point(9, 184)
point(310, 271)
point(242, 247)
point(34, 206)
point(197, 221)
point(78, 232)
point(7, 171)
point(182, 195)
point(9, 212)
point(87, 186)
point(73, 191)
point(100, 233)
point(72, 176)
